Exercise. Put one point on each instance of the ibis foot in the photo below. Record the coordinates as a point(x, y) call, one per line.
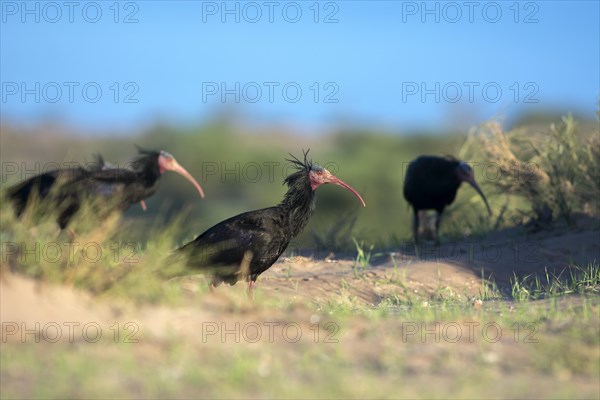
point(250, 289)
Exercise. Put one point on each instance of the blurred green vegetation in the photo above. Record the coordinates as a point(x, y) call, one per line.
point(244, 171)
point(132, 267)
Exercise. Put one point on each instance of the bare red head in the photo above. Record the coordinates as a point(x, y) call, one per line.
point(320, 176)
point(465, 174)
point(166, 162)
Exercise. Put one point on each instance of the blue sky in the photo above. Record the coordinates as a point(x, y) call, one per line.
point(400, 65)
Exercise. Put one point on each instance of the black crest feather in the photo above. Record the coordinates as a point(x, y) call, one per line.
point(306, 165)
point(145, 159)
point(140, 149)
point(300, 176)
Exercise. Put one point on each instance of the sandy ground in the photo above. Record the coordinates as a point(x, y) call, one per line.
point(171, 340)
point(455, 269)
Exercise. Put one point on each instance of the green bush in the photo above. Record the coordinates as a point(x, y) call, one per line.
point(556, 171)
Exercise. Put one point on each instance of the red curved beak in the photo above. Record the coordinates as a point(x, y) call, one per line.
point(337, 181)
point(175, 167)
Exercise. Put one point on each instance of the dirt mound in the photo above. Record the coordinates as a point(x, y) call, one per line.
point(455, 270)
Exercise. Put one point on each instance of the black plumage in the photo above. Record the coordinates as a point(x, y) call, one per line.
point(246, 245)
point(431, 183)
point(105, 187)
point(53, 189)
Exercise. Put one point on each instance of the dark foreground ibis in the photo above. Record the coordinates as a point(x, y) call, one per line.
point(246, 245)
point(109, 188)
point(431, 183)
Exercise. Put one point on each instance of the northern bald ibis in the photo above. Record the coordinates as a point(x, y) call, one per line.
point(431, 183)
point(105, 186)
point(246, 245)
point(104, 165)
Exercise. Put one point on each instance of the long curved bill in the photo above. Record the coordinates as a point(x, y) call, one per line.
point(339, 182)
point(478, 189)
point(175, 167)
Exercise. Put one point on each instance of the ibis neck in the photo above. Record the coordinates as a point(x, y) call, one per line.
point(298, 205)
point(151, 178)
point(148, 170)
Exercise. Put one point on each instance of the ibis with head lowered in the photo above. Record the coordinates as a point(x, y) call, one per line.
point(431, 183)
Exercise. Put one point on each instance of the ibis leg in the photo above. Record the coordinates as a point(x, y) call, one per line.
point(250, 289)
point(416, 233)
point(416, 226)
point(71, 233)
point(438, 219)
point(213, 285)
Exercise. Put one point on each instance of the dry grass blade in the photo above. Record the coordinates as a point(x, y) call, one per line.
point(557, 171)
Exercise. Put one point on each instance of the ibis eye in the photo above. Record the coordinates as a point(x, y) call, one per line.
point(319, 172)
